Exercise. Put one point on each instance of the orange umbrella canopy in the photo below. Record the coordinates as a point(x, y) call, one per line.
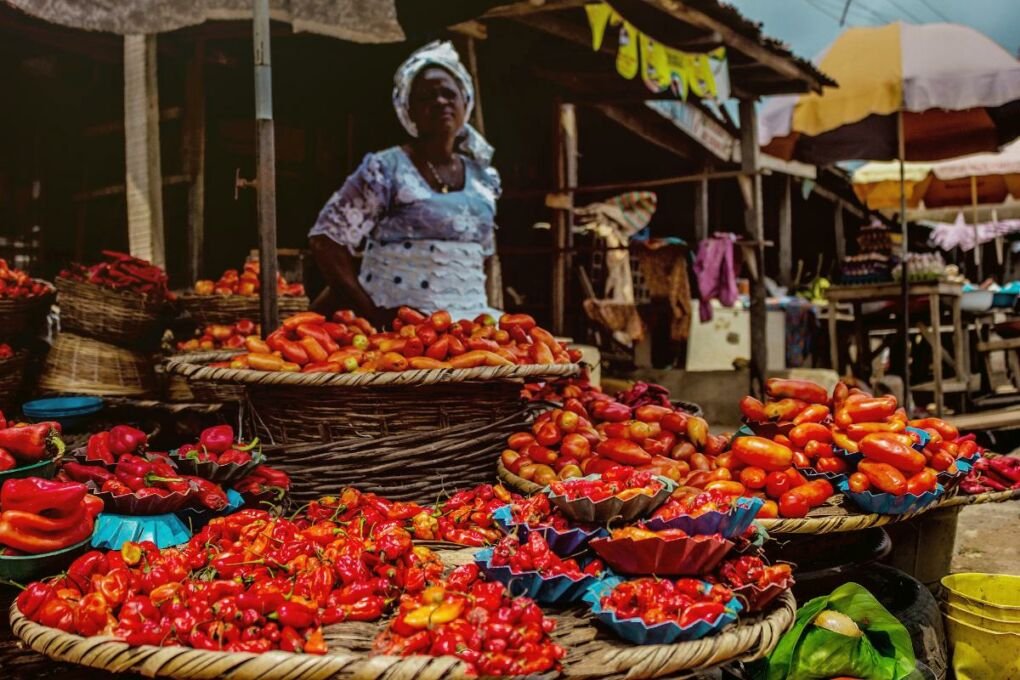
point(958, 91)
point(979, 179)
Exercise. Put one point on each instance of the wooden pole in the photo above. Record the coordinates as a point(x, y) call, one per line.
point(974, 219)
point(194, 157)
point(266, 178)
point(566, 176)
point(786, 232)
point(701, 215)
point(754, 230)
point(839, 230)
point(905, 312)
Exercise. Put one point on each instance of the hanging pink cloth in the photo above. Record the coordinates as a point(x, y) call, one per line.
point(716, 269)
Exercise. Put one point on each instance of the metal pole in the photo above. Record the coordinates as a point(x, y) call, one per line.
point(266, 177)
point(902, 153)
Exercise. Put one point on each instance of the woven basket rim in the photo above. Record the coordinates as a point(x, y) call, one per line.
point(127, 295)
point(747, 641)
point(816, 525)
point(187, 296)
point(193, 367)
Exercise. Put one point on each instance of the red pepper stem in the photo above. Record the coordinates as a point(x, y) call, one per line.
point(249, 446)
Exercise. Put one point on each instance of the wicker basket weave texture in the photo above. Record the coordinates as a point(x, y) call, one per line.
point(592, 653)
point(12, 375)
point(288, 415)
point(204, 309)
point(80, 365)
point(118, 317)
point(24, 316)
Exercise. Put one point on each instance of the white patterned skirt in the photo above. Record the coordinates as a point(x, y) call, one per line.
point(428, 276)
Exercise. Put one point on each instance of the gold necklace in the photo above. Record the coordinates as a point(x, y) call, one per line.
point(443, 186)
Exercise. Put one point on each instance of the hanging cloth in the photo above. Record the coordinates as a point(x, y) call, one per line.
point(716, 268)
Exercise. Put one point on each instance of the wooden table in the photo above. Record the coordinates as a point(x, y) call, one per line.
point(937, 294)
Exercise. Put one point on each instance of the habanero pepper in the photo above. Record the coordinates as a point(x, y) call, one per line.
point(98, 448)
point(126, 439)
point(32, 598)
point(86, 473)
point(217, 439)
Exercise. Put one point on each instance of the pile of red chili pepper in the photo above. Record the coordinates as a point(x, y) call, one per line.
point(692, 502)
point(737, 572)
point(246, 282)
point(307, 342)
point(990, 475)
point(220, 336)
point(15, 283)
point(536, 512)
point(264, 483)
point(6, 351)
point(218, 444)
point(22, 444)
point(622, 482)
point(654, 600)
point(476, 621)
point(248, 582)
point(121, 271)
point(535, 555)
point(42, 516)
point(464, 518)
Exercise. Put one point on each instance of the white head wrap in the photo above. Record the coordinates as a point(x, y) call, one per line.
point(440, 53)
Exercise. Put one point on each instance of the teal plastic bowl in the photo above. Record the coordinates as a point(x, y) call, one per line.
point(70, 412)
point(44, 468)
point(24, 568)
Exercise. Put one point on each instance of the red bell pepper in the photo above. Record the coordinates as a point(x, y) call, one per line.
point(98, 448)
point(217, 439)
point(32, 443)
point(33, 494)
point(87, 473)
point(126, 439)
point(7, 461)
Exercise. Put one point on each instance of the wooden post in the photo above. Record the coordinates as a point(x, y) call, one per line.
point(839, 232)
point(701, 215)
point(566, 176)
point(786, 232)
point(265, 146)
point(143, 176)
point(194, 157)
point(477, 119)
point(754, 230)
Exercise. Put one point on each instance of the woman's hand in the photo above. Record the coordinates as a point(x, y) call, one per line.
point(341, 273)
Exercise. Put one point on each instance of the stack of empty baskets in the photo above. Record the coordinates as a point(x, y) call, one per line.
point(106, 342)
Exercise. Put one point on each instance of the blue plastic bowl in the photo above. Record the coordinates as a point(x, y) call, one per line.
point(68, 411)
point(563, 543)
point(638, 632)
point(542, 589)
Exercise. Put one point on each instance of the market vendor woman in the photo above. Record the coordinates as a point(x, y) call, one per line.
point(422, 215)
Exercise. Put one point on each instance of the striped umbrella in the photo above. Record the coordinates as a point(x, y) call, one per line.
point(906, 92)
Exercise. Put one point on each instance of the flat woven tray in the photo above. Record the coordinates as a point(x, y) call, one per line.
point(829, 518)
point(194, 367)
point(592, 652)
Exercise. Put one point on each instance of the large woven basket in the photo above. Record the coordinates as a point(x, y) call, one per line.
point(120, 317)
point(296, 408)
point(12, 375)
point(24, 316)
point(205, 309)
point(591, 651)
point(80, 365)
point(411, 466)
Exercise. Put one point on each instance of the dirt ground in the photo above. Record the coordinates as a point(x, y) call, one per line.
point(988, 539)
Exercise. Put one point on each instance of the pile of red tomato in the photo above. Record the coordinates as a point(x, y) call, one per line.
point(246, 283)
point(308, 343)
point(220, 336)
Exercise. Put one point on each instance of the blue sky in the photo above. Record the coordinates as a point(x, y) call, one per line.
point(808, 26)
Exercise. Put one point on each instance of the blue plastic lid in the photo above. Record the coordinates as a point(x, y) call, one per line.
point(56, 407)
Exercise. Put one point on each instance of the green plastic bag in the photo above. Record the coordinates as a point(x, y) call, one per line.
point(808, 652)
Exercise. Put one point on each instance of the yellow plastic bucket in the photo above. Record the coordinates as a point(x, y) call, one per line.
point(995, 596)
point(988, 621)
point(981, 654)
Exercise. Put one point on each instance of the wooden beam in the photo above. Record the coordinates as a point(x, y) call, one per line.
point(632, 185)
point(653, 128)
point(839, 232)
point(166, 114)
point(566, 30)
point(119, 189)
point(566, 176)
point(521, 9)
point(701, 210)
point(193, 137)
point(754, 231)
point(265, 155)
point(836, 198)
point(786, 231)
